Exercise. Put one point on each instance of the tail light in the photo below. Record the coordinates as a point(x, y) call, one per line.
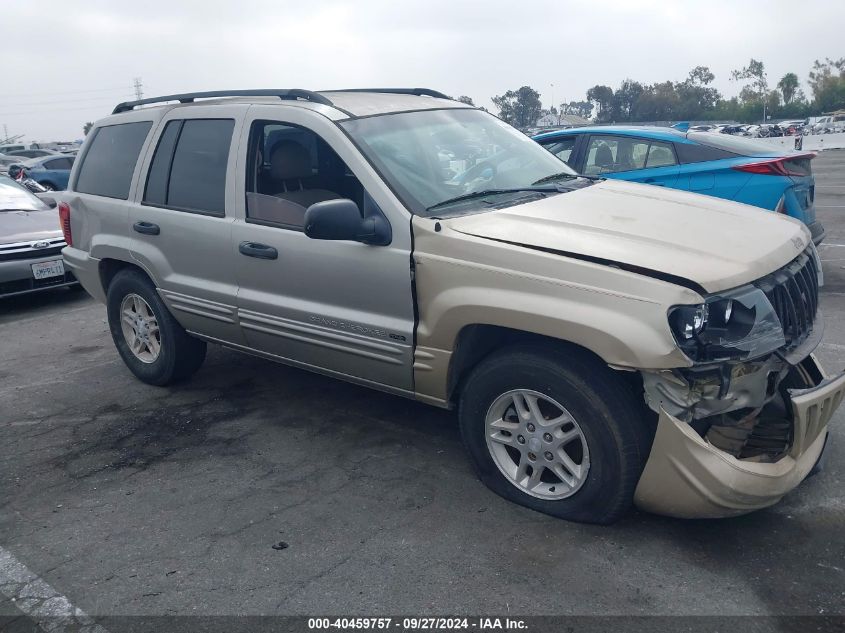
point(798, 165)
point(64, 220)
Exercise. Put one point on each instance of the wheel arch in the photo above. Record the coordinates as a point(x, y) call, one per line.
point(477, 341)
point(110, 267)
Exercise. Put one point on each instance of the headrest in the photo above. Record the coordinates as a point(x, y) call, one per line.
point(290, 160)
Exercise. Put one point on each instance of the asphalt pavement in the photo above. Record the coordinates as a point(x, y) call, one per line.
point(127, 499)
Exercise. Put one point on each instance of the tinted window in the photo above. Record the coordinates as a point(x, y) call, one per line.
point(615, 153)
point(61, 163)
point(693, 153)
point(198, 169)
point(730, 143)
point(562, 148)
point(156, 191)
point(109, 162)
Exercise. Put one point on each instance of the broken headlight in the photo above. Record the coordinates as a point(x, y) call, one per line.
point(739, 324)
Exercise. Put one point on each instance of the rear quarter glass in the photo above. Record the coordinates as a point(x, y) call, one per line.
point(110, 160)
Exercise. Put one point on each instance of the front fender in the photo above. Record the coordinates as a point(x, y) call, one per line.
point(465, 280)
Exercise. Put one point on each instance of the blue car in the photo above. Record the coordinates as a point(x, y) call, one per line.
point(51, 171)
point(718, 165)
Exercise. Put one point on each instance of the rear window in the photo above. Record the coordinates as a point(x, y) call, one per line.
point(729, 143)
point(109, 161)
point(188, 171)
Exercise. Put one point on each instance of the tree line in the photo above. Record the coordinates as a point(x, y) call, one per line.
point(694, 98)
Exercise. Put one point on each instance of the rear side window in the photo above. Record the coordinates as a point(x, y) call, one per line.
point(188, 171)
point(63, 163)
point(109, 161)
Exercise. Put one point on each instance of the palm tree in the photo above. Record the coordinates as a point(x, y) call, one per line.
point(788, 85)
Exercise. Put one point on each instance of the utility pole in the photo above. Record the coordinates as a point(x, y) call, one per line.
point(139, 88)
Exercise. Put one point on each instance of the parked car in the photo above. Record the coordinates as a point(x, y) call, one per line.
point(33, 153)
point(792, 128)
point(718, 165)
point(30, 243)
point(11, 147)
point(7, 161)
point(50, 171)
point(603, 342)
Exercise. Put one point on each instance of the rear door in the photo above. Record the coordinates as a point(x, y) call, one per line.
point(180, 223)
point(339, 307)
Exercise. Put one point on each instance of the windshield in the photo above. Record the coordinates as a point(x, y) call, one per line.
point(13, 197)
point(432, 156)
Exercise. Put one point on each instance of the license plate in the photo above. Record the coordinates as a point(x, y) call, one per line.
point(43, 270)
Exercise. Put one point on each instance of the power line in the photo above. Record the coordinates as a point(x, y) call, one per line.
point(54, 102)
point(67, 92)
point(57, 109)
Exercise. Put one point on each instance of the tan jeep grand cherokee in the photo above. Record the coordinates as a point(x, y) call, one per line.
point(603, 342)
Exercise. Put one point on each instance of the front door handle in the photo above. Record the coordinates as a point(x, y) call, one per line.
point(261, 251)
point(651, 181)
point(147, 228)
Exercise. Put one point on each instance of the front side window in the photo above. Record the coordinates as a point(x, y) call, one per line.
point(109, 161)
point(291, 168)
point(188, 170)
point(608, 154)
point(562, 148)
point(431, 157)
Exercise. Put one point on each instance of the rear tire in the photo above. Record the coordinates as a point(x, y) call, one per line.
point(149, 340)
point(604, 414)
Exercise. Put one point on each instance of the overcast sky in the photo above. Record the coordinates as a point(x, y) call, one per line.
point(66, 63)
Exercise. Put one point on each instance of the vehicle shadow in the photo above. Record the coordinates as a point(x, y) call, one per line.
point(18, 306)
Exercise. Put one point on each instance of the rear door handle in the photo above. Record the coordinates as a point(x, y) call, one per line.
point(650, 181)
point(147, 228)
point(261, 251)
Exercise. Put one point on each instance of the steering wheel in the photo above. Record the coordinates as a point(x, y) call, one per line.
point(479, 177)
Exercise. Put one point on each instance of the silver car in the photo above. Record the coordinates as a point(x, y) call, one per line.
point(30, 243)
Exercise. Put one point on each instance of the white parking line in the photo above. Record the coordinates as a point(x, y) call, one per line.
point(830, 206)
point(39, 601)
point(826, 244)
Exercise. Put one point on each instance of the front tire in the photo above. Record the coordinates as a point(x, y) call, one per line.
point(556, 431)
point(149, 340)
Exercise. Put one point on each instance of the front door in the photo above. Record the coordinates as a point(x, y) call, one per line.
point(339, 307)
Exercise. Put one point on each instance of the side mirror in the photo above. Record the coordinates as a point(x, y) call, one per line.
point(341, 220)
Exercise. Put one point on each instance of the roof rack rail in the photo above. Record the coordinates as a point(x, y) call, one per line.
point(419, 92)
point(188, 97)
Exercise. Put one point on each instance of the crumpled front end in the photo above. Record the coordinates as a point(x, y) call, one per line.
point(733, 462)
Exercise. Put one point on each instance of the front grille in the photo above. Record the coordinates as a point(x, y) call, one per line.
point(25, 250)
point(794, 293)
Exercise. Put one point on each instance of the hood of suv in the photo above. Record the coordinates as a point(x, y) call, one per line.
point(714, 243)
point(24, 226)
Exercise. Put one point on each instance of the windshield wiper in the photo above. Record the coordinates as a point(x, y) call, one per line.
point(491, 192)
point(560, 176)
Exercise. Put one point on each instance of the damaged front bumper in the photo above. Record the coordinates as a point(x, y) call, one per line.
point(687, 477)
